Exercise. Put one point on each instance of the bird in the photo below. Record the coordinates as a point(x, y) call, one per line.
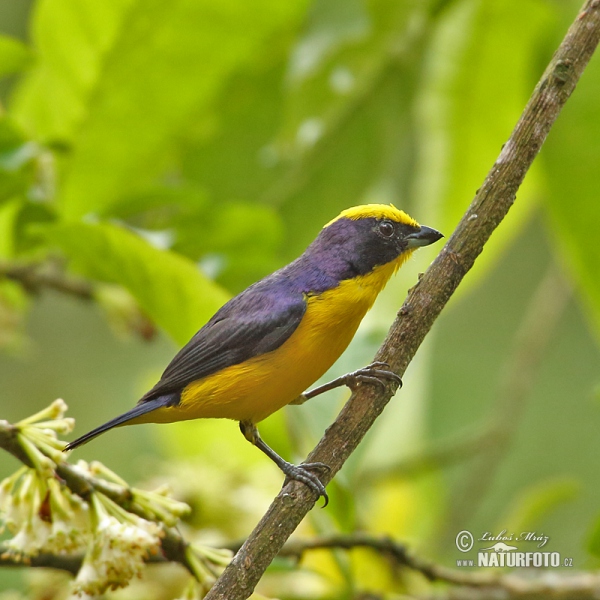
point(265, 347)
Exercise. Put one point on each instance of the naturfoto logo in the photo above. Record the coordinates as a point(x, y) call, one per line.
point(504, 554)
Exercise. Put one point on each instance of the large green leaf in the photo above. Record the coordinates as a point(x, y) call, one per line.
point(72, 41)
point(239, 239)
point(159, 63)
point(237, 242)
point(168, 287)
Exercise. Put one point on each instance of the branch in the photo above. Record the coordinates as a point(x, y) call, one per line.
point(70, 563)
point(582, 584)
point(424, 303)
point(399, 553)
point(36, 276)
point(482, 585)
point(472, 584)
point(403, 556)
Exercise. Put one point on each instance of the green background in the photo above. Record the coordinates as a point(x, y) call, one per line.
point(176, 152)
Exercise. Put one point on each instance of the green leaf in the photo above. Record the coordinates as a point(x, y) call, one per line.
point(243, 238)
point(28, 240)
point(168, 287)
point(237, 242)
point(14, 55)
point(251, 141)
point(163, 63)
point(72, 41)
point(236, 158)
point(156, 206)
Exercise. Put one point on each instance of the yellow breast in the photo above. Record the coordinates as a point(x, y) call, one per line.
point(252, 390)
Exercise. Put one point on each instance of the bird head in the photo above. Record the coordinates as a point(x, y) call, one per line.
point(371, 235)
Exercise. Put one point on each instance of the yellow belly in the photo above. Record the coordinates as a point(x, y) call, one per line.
point(253, 390)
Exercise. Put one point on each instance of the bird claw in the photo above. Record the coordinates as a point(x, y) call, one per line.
point(303, 473)
point(373, 374)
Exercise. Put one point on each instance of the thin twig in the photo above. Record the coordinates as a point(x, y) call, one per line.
point(37, 276)
point(489, 584)
point(49, 275)
point(424, 303)
point(70, 563)
point(547, 584)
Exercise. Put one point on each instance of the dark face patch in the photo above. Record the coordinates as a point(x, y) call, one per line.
point(351, 247)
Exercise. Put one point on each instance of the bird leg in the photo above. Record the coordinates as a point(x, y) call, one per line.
point(373, 374)
point(301, 472)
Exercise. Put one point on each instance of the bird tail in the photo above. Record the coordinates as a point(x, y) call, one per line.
point(137, 411)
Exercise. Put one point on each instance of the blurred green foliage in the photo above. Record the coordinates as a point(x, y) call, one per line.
point(177, 152)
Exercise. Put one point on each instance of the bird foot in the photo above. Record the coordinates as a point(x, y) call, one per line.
point(304, 474)
point(373, 374)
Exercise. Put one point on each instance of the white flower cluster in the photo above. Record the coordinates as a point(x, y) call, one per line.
point(120, 543)
point(41, 515)
point(38, 436)
point(45, 516)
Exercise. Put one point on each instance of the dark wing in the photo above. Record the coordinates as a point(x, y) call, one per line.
point(253, 323)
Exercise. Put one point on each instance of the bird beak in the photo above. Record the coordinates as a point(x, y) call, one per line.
point(423, 237)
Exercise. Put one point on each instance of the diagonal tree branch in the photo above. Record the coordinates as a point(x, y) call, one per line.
point(425, 301)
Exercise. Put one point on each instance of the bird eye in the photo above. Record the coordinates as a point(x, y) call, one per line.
point(386, 229)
